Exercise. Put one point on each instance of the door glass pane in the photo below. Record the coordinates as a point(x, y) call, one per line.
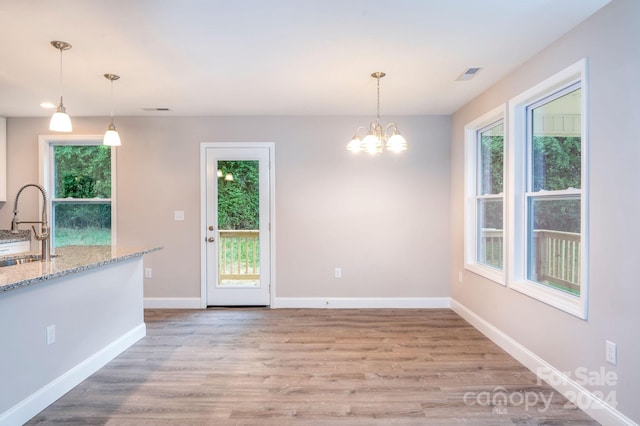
point(553, 240)
point(490, 233)
point(238, 223)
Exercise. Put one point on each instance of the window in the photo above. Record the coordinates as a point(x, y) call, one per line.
point(484, 207)
point(79, 177)
point(548, 147)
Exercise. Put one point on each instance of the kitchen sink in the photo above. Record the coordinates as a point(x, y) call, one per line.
point(19, 260)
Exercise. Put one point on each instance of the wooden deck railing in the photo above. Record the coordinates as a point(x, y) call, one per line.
point(239, 255)
point(492, 242)
point(558, 258)
point(557, 255)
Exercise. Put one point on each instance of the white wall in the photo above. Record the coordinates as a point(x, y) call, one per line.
point(609, 40)
point(97, 314)
point(384, 220)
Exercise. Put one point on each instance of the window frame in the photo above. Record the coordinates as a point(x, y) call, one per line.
point(45, 161)
point(518, 166)
point(472, 163)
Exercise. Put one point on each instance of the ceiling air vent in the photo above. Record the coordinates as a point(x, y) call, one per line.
point(156, 109)
point(469, 73)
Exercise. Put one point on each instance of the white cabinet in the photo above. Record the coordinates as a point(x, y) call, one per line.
point(14, 248)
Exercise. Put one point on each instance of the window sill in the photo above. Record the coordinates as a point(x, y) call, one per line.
point(574, 305)
point(493, 274)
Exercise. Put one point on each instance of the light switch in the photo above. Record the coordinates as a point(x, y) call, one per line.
point(178, 215)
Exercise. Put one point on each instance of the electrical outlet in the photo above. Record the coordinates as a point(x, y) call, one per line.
point(338, 273)
point(611, 352)
point(147, 273)
point(460, 277)
point(51, 334)
point(178, 215)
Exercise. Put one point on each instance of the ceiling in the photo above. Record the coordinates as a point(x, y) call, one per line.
point(276, 57)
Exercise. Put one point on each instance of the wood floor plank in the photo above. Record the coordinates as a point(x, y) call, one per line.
point(312, 367)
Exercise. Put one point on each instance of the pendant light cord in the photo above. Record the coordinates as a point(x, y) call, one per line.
point(111, 101)
point(378, 116)
point(61, 75)
point(111, 78)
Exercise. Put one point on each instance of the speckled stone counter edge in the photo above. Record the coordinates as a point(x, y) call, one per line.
point(6, 236)
point(28, 274)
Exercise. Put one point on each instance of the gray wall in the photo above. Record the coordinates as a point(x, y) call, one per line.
point(610, 41)
point(384, 220)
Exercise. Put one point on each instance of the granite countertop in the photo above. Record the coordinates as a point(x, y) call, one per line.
point(6, 236)
point(68, 260)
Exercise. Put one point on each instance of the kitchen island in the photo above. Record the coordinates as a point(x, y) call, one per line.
point(62, 320)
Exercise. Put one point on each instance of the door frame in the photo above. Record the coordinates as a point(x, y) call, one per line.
point(271, 146)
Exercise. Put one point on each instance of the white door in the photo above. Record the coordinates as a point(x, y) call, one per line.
point(237, 226)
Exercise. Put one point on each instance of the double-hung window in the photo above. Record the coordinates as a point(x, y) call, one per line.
point(484, 188)
point(548, 205)
point(526, 197)
point(79, 176)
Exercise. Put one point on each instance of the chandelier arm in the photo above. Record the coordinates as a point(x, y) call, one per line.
point(391, 125)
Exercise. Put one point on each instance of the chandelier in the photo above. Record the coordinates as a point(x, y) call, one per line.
point(376, 138)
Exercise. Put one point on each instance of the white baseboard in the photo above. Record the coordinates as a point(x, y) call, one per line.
point(361, 302)
point(595, 407)
point(172, 303)
point(45, 396)
point(313, 302)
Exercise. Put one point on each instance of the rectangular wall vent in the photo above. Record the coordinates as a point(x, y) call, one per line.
point(469, 73)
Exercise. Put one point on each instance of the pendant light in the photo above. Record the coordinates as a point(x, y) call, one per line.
point(111, 136)
point(60, 121)
point(377, 139)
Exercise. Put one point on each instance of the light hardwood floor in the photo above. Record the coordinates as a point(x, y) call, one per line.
point(313, 366)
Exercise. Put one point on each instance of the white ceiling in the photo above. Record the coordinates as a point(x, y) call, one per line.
point(276, 57)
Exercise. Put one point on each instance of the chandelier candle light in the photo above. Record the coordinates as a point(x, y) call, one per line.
point(60, 120)
point(111, 136)
point(377, 139)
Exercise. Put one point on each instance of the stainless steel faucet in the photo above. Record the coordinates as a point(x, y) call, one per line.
point(45, 233)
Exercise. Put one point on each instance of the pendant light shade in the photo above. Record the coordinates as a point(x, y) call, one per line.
point(397, 143)
point(111, 136)
point(60, 121)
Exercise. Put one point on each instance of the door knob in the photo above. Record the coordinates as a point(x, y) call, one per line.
point(210, 227)
point(211, 239)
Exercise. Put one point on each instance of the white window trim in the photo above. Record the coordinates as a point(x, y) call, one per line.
point(45, 157)
point(516, 198)
point(470, 219)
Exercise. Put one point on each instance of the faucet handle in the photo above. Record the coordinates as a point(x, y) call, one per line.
point(43, 235)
